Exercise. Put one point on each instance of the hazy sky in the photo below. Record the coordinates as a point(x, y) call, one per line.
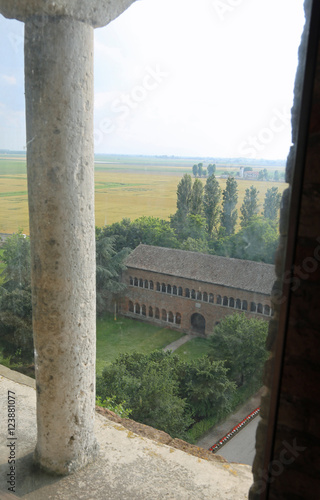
point(181, 77)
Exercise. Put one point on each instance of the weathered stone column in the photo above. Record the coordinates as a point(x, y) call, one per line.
point(59, 118)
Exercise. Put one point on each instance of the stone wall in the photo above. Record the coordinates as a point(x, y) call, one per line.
point(287, 461)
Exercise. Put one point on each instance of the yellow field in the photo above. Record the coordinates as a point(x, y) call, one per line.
point(117, 195)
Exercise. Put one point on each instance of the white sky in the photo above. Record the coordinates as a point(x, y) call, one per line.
point(181, 77)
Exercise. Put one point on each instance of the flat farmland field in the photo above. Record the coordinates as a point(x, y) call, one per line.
point(130, 189)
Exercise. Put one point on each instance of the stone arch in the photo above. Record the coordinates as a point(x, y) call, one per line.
point(131, 280)
point(146, 284)
point(260, 308)
point(158, 287)
point(253, 307)
point(225, 301)
point(144, 310)
point(231, 302)
point(169, 289)
point(238, 304)
point(180, 291)
point(150, 312)
point(151, 285)
point(163, 288)
point(174, 290)
point(178, 319)
point(141, 283)
point(170, 317)
point(136, 283)
point(266, 310)
point(164, 315)
point(244, 305)
point(219, 299)
point(131, 308)
point(157, 313)
point(193, 294)
point(198, 323)
point(187, 292)
point(199, 296)
point(137, 308)
point(205, 297)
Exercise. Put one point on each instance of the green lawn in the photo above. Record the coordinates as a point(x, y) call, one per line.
point(193, 349)
point(128, 335)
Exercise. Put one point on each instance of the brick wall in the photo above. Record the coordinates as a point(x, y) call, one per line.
point(204, 300)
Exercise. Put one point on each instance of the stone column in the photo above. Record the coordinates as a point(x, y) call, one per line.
point(59, 118)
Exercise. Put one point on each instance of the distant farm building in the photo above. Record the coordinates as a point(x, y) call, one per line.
point(192, 291)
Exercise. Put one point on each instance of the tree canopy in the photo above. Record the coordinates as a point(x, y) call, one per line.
point(229, 212)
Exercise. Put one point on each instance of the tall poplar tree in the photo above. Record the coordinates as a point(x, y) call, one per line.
point(211, 202)
point(271, 204)
point(249, 207)
point(229, 212)
point(197, 198)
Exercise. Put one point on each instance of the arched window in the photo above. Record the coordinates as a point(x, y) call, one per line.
point(141, 282)
point(144, 310)
point(169, 289)
point(238, 304)
point(205, 297)
point(151, 285)
point(253, 307)
point(244, 305)
point(260, 308)
point(211, 298)
point(187, 292)
point(150, 312)
point(266, 310)
point(193, 294)
point(199, 296)
point(225, 301)
point(136, 283)
point(164, 315)
point(158, 287)
point(170, 317)
point(180, 291)
point(146, 283)
point(131, 306)
point(219, 299)
point(178, 319)
point(174, 290)
point(231, 302)
point(163, 288)
point(137, 308)
point(131, 280)
point(157, 313)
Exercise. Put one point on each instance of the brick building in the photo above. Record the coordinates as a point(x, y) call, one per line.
point(193, 291)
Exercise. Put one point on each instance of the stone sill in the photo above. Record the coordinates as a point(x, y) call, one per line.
point(135, 461)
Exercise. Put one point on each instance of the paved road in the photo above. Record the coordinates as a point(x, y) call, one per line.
point(241, 448)
point(177, 343)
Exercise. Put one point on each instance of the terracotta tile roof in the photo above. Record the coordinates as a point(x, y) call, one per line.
point(234, 273)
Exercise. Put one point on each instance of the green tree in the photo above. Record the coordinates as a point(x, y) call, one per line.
point(240, 342)
point(16, 259)
point(205, 386)
point(276, 176)
point(249, 207)
point(109, 265)
point(211, 169)
point(196, 206)
point(271, 204)
point(211, 203)
point(149, 385)
point(184, 195)
point(16, 336)
point(200, 168)
point(195, 170)
point(263, 175)
point(257, 241)
point(229, 212)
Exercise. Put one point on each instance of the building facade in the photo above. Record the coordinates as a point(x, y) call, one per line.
point(191, 291)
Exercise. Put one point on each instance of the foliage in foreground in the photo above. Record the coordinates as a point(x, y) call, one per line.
point(167, 393)
point(240, 342)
